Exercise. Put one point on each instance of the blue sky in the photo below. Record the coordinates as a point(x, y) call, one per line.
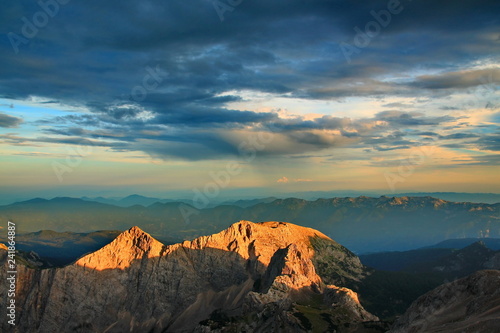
point(156, 97)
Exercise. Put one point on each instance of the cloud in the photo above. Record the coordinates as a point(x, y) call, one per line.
point(221, 137)
point(7, 121)
point(191, 69)
point(282, 180)
point(12, 139)
point(399, 118)
point(43, 154)
point(321, 123)
point(489, 142)
point(426, 133)
point(106, 52)
point(16, 140)
point(489, 160)
point(398, 105)
point(461, 79)
point(459, 136)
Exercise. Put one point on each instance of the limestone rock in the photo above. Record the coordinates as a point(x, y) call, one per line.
point(258, 272)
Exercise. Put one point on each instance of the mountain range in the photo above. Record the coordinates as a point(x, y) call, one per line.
point(362, 224)
point(452, 263)
point(136, 199)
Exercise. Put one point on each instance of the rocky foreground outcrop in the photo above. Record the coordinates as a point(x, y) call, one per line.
point(468, 305)
point(253, 277)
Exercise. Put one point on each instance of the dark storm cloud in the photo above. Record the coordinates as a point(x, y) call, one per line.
point(99, 50)
point(462, 79)
point(154, 73)
point(9, 121)
point(206, 116)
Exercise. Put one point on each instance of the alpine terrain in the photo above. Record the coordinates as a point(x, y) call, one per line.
point(253, 277)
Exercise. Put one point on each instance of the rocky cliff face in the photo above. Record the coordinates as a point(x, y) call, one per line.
point(252, 276)
point(471, 304)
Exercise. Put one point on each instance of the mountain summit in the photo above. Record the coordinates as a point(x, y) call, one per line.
point(252, 276)
point(127, 247)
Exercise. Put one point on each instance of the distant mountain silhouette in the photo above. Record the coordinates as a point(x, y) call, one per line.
point(490, 198)
point(451, 263)
point(363, 224)
point(491, 243)
point(131, 200)
point(250, 202)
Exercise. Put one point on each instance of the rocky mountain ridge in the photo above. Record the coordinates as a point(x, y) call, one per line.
point(257, 276)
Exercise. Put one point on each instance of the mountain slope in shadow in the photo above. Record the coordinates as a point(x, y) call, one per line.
point(471, 304)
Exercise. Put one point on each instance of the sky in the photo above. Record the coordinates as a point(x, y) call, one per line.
point(243, 98)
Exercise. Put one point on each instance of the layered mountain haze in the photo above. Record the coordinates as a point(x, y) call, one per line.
point(258, 277)
point(451, 262)
point(362, 224)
